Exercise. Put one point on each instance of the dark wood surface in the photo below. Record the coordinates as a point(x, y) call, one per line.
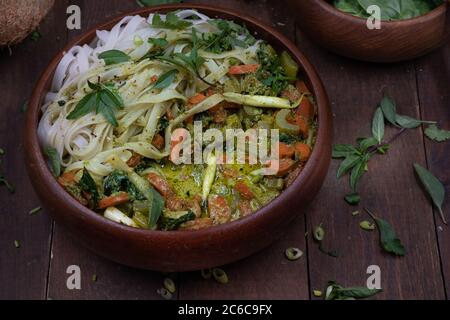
point(37, 270)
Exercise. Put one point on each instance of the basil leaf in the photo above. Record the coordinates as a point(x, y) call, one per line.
point(436, 134)
point(408, 122)
point(156, 208)
point(55, 162)
point(343, 150)
point(366, 143)
point(337, 292)
point(357, 172)
point(388, 107)
point(172, 22)
point(158, 42)
point(85, 106)
point(388, 239)
point(166, 79)
point(378, 125)
point(433, 186)
point(87, 184)
point(353, 198)
point(104, 107)
point(349, 162)
point(114, 57)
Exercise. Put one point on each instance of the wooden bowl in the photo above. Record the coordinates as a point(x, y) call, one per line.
point(181, 250)
point(349, 36)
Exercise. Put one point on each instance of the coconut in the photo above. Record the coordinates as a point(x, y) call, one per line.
point(20, 17)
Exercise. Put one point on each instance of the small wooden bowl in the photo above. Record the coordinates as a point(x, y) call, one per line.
point(181, 250)
point(349, 36)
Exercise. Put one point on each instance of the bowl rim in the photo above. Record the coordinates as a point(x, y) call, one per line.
point(394, 23)
point(35, 155)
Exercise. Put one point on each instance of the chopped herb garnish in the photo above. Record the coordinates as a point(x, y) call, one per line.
point(388, 239)
point(337, 292)
point(104, 99)
point(114, 57)
point(436, 134)
point(434, 188)
point(353, 198)
point(35, 35)
point(87, 184)
point(35, 210)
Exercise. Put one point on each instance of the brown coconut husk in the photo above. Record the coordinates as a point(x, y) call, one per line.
point(20, 17)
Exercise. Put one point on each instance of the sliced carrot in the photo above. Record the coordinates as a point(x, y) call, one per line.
point(194, 205)
point(160, 184)
point(113, 200)
point(158, 141)
point(285, 150)
point(301, 86)
point(243, 69)
point(303, 125)
point(199, 97)
point(284, 166)
point(134, 160)
point(67, 178)
point(245, 208)
point(244, 190)
point(306, 109)
point(154, 78)
point(303, 150)
point(197, 224)
point(219, 115)
point(219, 210)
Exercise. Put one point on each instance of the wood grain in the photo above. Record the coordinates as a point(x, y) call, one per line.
point(433, 78)
point(23, 271)
point(389, 188)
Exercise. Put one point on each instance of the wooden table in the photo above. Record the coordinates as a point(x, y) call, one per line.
point(37, 270)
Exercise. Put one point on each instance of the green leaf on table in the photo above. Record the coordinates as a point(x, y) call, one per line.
point(166, 79)
point(149, 3)
point(408, 122)
point(433, 186)
point(343, 150)
point(114, 57)
point(337, 292)
point(87, 184)
point(357, 171)
point(353, 198)
point(349, 162)
point(171, 22)
point(378, 125)
point(366, 143)
point(436, 134)
point(389, 109)
point(388, 239)
point(55, 163)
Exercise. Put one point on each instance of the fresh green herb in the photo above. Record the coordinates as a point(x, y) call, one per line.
point(330, 253)
point(34, 211)
point(158, 42)
point(155, 210)
point(353, 198)
point(163, 292)
point(220, 275)
point(433, 186)
point(343, 150)
point(390, 10)
point(118, 181)
point(55, 163)
point(388, 239)
point(349, 162)
point(389, 109)
point(337, 292)
point(271, 73)
point(166, 79)
point(367, 225)
point(170, 285)
point(286, 138)
point(87, 184)
point(378, 125)
point(172, 22)
point(104, 99)
point(114, 57)
point(293, 253)
point(24, 107)
point(17, 244)
point(408, 122)
point(169, 224)
point(35, 36)
point(436, 134)
point(149, 3)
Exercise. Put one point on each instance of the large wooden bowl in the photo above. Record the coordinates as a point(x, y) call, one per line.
point(181, 250)
point(349, 36)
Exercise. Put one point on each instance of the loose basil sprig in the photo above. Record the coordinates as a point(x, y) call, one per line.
point(104, 99)
point(388, 239)
point(337, 292)
point(433, 187)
